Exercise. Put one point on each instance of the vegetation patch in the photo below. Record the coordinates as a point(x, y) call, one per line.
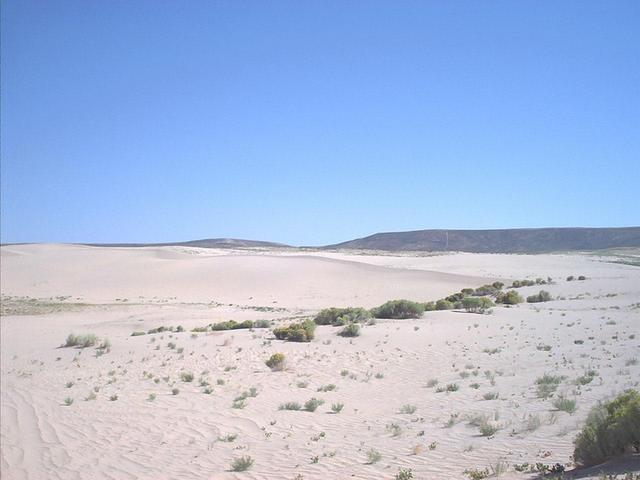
point(611, 429)
point(296, 332)
point(399, 309)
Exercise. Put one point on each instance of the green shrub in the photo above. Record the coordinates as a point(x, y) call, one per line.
point(373, 456)
point(351, 330)
point(565, 404)
point(547, 385)
point(399, 309)
point(522, 283)
point(542, 296)
point(485, 290)
point(241, 464)
point(276, 361)
point(341, 316)
point(231, 325)
point(337, 407)
point(510, 297)
point(476, 304)
point(290, 406)
point(611, 429)
point(429, 306)
point(444, 304)
point(296, 332)
point(82, 341)
point(186, 377)
point(312, 404)
point(137, 334)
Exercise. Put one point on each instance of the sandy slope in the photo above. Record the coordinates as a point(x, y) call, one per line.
point(177, 436)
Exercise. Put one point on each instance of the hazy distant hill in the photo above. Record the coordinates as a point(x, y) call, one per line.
point(525, 240)
point(204, 243)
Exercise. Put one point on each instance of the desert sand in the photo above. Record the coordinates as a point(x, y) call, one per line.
point(123, 421)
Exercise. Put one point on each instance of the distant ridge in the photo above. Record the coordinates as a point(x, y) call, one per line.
point(204, 243)
point(519, 240)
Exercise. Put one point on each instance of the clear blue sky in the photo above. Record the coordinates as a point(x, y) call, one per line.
point(318, 121)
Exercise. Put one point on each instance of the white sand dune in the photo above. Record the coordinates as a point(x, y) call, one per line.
point(595, 327)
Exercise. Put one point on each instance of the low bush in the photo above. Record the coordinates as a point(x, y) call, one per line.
point(81, 341)
point(476, 304)
point(241, 464)
point(565, 404)
point(312, 404)
point(611, 429)
point(351, 330)
point(341, 316)
point(276, 361)
point(444, 304)
point(429, 306)
point(485, 290)
point(522, 283)
point(232, 325)
point(510, 297)
point(399, 309)
point(542, 296)
point(296, 332)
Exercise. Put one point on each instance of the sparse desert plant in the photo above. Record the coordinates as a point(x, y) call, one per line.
point(510, 297)
point(612, 428)
point(542, 296)
point(276, 362)
point(186, 377)
point(341, 316)
point(175, 391)
point(296, 332)
point(228, 438)
point(533, 423)
point(408, 409)
point(81, 341)
point(327, 388)
point(207, 390)
point(399, 309)
point(564, 404)
point(91, 396)
point(351, 330)
point(476, 474)
point(312, 404)
point(337, 407)
point(241, 464)
point(452, 387)
point(404, 474)
point(152, 397)
point(373, 456)
point(239, 403)
point(290, 406)
point(113, 397)
point(487, 429)
point(490, 396)
point(444, 304)
point(231, 325)
point(432, 382)
point(477, 304)
point(547, 385)
point(138, 334)
point(587, 378)
point(394, 429)
point(68, 401)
